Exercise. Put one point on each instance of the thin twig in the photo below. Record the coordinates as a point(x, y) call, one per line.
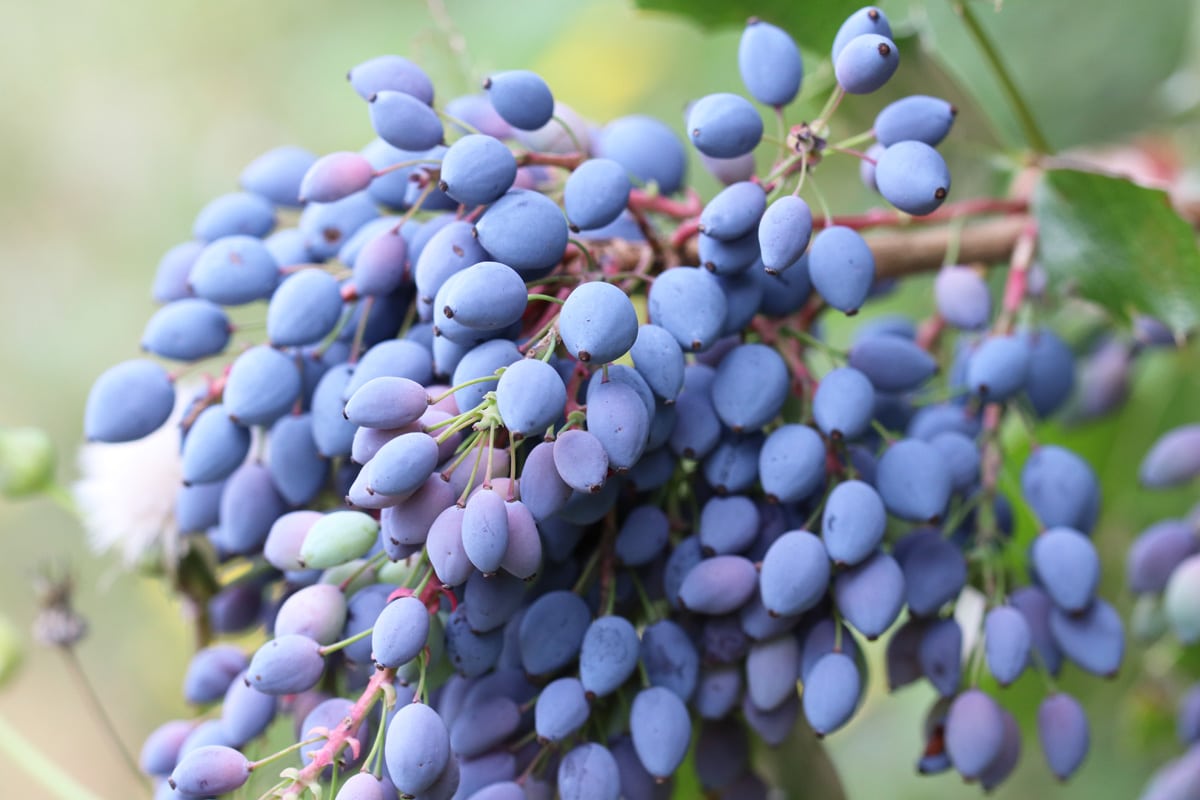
point(81, 678)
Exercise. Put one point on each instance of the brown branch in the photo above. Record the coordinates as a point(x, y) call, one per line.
point(910, 252)
point(912, 245)
point(888, 218)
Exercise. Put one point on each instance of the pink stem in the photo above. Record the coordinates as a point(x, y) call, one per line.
point(640, 201)
point(930, 332)
point(341, 735)
point(992, 461)
point(564, 160)
point(577, 377)
point(1017, 282)
point(686, 230)
point(859, 154)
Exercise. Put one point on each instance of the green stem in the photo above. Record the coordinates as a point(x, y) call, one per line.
point(415, 207)
point(803, 175)
point(333, 782)
point(453, 120)
point(643, 598)
point(831, 105)
point(817, 512)
point(821, 201)
point(287, 751)
point(585, 576)
point(574, 278)
point(40, 767)
point(782, 167)
point(955, 241)
point(376, 750)
point(62, 498)
point(420, 587)
point(344, 643)
point(467, 420)
point(361, 329)
point(548, 298)
point(423, 665)
point(570, 133)
point(884, 433)
point(854, 141)
point(808, 340)
point(372, 562)
point(781, 128)
point(464, 449)
point(411, 580)
point(1029, 127)
point(494, 376)
point(462, 498)
point(404, 165)
point(587, 254)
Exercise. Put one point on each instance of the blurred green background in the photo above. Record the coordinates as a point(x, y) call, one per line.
point(121, 119)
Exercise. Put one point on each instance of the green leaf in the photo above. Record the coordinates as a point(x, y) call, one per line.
point(800, 766)
point(1088, 75)
point(1120, 245)
point(812, 24)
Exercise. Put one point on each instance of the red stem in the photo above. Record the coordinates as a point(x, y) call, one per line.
point(792, 352)
point(216, 388)
point(1017, 282)
point(810, 312)
point(648, 232)
point(686, 230)
point(859, 154)
point(992, 460)
point(691, 207)
point(930, 332)
point(581, 372)
point(564, 160)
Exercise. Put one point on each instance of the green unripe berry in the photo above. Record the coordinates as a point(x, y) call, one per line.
point(338, 538)
point(1182, 600)
point(26, 461)
point(398, 573)
point(1148, 621)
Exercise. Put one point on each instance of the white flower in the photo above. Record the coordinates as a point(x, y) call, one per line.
point(126, 493)
point(969, 611)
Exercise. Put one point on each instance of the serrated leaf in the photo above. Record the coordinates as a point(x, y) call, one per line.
point(1120, 245)
point(812, 25)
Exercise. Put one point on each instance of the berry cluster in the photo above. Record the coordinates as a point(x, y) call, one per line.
point(602, 507)
point(1163, 570)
